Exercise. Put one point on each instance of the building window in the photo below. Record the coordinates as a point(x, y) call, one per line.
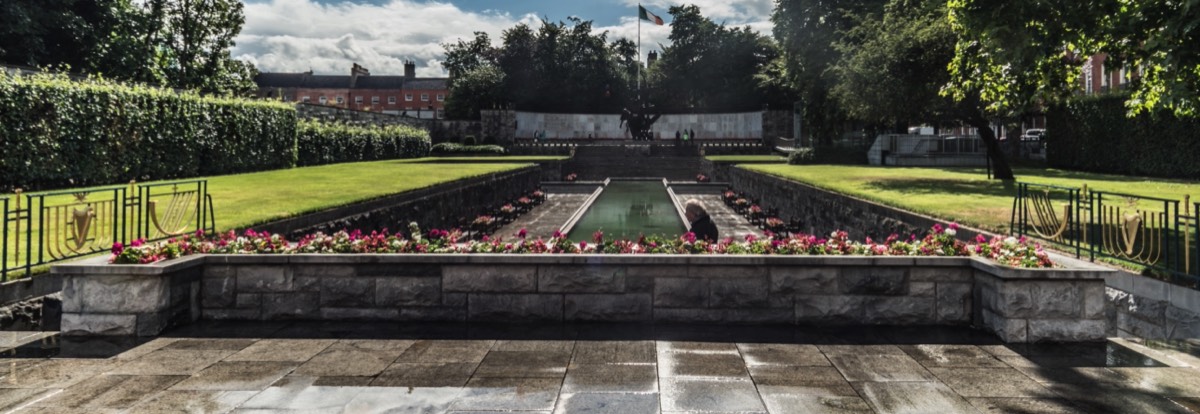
point(408, 97)
point(391, 100)
point(441, 114)
point(340, 100)
point(358, 100)
point(304, 99)
point(374, 100)
point(441, 97)
point(408, 108)
point(424, 97)
point(322, 99)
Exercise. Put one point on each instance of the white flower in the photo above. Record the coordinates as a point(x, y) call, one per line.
point(951, 232)
point(1010, 240)
point(833, 234)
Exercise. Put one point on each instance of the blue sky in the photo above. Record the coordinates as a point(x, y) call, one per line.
point(328, 36)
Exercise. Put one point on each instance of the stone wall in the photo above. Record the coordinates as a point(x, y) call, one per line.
point(740, 125)
point(778, 123)
point(1136, 305)
point(441, 206)
point(124, 299)
point(822, 211)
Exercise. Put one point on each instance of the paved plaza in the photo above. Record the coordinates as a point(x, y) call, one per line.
point(452, 368)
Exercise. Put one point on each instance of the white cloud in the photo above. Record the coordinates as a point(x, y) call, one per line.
point(298, 35)
point(738, 13)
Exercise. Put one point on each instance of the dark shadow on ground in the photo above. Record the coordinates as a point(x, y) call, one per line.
point(935, 186)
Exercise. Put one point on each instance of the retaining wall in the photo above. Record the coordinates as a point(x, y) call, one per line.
point(1018, 305)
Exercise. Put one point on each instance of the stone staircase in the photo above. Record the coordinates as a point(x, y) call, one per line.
point(634, 159)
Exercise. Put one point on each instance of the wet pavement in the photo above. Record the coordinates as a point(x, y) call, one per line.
point(458, 368)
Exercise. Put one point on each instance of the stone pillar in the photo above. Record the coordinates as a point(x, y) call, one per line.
point(130, 300)
point(1023, 309)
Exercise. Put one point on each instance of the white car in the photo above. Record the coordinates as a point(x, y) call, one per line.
point(1034, 135)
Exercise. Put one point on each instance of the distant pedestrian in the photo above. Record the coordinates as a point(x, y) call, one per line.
point(692, 133)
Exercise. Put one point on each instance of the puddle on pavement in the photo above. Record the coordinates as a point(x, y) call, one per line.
point(55, 346)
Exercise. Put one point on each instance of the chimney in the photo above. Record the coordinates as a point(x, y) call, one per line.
point(410, 69)
point(651, 58)
point(355, 72)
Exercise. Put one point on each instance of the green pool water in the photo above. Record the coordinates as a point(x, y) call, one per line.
point(628, 209)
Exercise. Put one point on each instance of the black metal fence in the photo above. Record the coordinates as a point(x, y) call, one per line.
point(46, 227)
point(1157, 233)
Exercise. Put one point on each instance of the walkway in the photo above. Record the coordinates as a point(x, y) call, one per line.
point(543, 220)
point(447, 368)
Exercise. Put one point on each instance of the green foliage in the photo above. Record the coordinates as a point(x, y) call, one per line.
point(478, 88)
point(704, 54)
point(57, 133)
point(468, 140)
point(806, 31)
point(328, 143)
point(1094, 134)
point(1020, 52)
point(450, 148)
point(802, 156)
point(170, 43)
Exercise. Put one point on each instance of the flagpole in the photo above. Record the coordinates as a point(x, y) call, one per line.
point(639, 55)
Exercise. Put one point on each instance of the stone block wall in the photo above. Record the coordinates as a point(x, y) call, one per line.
point(132, 302)
point(1056, 305)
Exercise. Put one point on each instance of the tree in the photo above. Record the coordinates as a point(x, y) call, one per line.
point(710, 66)
point(181, 44)
point(1019, 52)
point(479, 88)
point(56, 32)
point(806, 31)
point(892, 68)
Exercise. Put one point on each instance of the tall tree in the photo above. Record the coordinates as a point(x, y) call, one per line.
point(1017, 52)
point(892, 69)
point(197, 38)
point(806, 31)
point(710, 66)
point(56, 32)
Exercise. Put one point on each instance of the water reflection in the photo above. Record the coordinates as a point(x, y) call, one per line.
point(628, 209)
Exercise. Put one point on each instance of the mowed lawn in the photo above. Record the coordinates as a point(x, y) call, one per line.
point(243, 200)
point(962, 194)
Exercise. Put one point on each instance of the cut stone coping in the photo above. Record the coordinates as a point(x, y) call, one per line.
point(1018, 305)
point(100, 265)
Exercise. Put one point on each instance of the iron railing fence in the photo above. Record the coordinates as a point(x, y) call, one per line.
point(1158, 233)
point(46, 227)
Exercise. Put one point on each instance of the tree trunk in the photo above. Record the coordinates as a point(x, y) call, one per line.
point(1000, 168)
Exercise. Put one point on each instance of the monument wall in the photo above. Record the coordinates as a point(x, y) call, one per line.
point(742, 125)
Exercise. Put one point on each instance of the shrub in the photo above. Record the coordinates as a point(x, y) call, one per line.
point(450, 148)
point(1094, 134)
point(469, 140)
point(56, 132)
point(327, 143)
point(802, 156)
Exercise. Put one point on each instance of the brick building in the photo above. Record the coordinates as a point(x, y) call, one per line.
point(1100, 77)
point(408, 94)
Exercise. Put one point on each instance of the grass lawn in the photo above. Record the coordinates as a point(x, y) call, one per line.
point(243, 200)
point(962, 194)
point(488, 159)
point(746, 158)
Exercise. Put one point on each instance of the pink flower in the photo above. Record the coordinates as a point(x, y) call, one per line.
point(954, 226)
point(558, 234)
point(522, 233)
point(137, 243)
point(117, 248)
point(689, 237)
point(750, 238)
point(598, 237)
point(582, 245)
point(937, 228)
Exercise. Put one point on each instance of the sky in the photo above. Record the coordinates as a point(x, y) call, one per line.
point(328, 36)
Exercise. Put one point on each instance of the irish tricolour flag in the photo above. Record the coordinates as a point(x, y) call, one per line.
point(648, 16)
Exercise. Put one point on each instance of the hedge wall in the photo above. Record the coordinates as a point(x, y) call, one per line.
point(55, 132)
point(327, 143)
point(1093, 134)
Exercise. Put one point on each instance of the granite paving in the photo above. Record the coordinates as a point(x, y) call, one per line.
point(304, 367)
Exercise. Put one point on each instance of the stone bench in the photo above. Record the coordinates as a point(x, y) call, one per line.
point(1018, 305)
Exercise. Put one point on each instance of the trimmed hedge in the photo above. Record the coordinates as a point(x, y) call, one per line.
point(450, 148)
point(1094, 134)
point(55, 132)
point(327, 143)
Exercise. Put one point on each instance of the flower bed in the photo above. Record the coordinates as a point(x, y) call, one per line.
point(937, 242)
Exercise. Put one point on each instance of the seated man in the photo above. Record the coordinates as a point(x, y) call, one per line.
point(699, 222)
